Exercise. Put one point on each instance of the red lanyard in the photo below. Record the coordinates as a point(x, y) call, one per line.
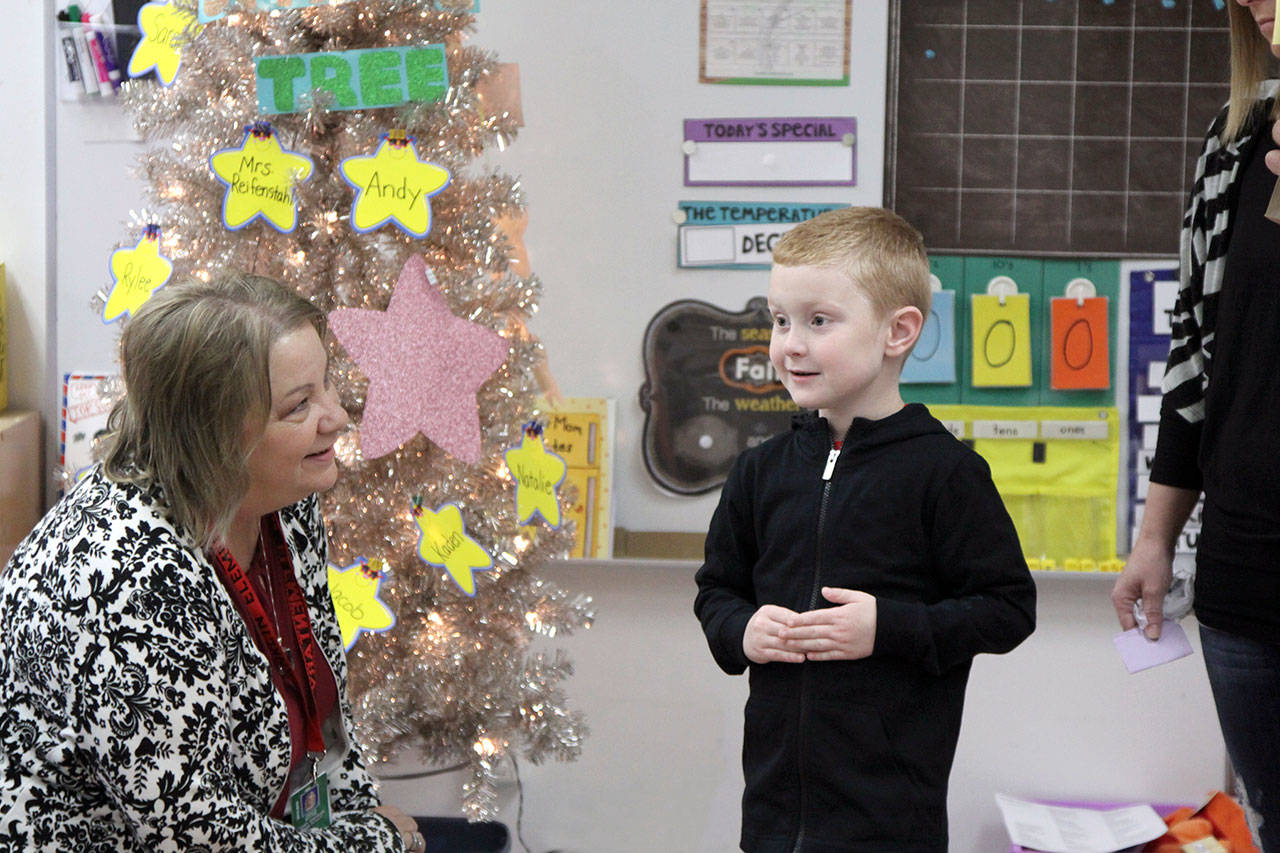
point(266, 634)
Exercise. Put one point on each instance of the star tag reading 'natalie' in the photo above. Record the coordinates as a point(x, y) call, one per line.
point(538, 473)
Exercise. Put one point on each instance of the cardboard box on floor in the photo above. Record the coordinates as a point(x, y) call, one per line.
point(19, 478)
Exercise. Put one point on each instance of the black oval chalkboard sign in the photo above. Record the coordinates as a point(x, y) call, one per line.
point(710, 392)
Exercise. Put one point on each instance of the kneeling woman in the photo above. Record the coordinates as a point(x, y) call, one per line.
point(173, 675)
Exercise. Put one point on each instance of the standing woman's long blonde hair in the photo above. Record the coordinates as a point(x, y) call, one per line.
point(1251, 63)
point(196, 361)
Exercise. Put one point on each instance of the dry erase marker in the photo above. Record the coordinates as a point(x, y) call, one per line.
point(108, 52)
point(95, 52)
point(87, 76)
point(73, 75)
point(110, 74)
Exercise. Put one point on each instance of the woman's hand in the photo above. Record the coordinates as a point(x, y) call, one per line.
point(1273, 157)
point(1147, 576)
point(409, 835)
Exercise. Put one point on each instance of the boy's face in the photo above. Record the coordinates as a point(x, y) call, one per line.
point(828, 346)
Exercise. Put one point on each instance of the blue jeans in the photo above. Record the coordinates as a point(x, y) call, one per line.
point(1245, 677)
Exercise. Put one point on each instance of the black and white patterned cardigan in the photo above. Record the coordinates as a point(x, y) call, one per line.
point(136, 714)
point(1206, 230)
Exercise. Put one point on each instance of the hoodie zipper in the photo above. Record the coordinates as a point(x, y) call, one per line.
point(832, 456)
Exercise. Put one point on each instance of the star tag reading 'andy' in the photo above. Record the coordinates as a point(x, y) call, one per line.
point(393, 186)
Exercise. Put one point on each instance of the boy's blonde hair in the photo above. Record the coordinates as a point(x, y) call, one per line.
point(1251, 63)
point(196, 361)
point(880, 252)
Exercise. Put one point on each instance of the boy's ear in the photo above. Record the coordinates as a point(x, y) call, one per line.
point(904, 329)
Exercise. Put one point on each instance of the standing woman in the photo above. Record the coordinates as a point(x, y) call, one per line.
point(1220, 427)
point(172, 675)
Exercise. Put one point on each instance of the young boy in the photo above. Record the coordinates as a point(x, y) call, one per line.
point(857, 563)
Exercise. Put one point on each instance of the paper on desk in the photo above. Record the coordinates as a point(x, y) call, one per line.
point(1062, 829)
point(1139, 653)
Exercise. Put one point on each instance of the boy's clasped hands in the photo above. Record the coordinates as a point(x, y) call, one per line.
point(844, 632)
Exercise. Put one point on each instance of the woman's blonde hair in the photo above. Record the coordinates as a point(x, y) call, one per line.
point(880, 252)
point(197, 380)
point(1251, 63)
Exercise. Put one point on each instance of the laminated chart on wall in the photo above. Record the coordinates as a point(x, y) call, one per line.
point(788, 42)
point(933, 359)
point(580, 431)
point(85, 407)
point(1001, 336)
point(736, 234)
point(1152, 294)
point(799, 151)
point(710, 392)
point(1041, 347)
point(1057, 470)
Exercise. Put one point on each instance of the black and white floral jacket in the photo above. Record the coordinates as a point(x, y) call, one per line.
point(136, 714)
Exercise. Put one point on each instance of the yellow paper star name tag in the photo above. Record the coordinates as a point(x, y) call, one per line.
point(354, 590)
point(164, 29)
point(136, 273)
point(260, 178)
point(394, 186)
point(444, 543)
point(538, 474)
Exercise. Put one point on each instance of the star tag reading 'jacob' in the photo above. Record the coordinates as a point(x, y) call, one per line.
point(260, 176)
point(393, 186)
point(354, 590)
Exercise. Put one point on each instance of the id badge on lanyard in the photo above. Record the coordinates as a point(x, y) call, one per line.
point(309, 801)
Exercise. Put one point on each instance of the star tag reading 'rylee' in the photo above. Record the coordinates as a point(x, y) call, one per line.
point(137, 273)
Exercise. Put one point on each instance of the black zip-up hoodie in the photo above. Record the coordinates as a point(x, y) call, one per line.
point(855, 755)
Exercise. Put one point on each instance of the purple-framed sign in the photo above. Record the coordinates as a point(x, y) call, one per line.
point(762, 152)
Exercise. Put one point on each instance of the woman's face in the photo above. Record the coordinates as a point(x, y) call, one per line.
point(1264, 15)
point(294, 457)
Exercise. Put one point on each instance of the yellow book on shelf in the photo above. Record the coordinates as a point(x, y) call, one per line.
point(580, 431)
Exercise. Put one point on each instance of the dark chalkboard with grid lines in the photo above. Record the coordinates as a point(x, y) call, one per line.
point(1050, 127)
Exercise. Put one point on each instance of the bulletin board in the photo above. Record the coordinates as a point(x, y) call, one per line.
point(1050, 128)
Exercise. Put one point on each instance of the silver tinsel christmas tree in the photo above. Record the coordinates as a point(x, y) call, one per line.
point(457, 679)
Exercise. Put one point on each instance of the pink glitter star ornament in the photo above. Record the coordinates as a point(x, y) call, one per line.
point(424, 366)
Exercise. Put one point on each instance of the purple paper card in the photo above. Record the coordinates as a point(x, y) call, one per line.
point(1139, 653)
point(795, 151)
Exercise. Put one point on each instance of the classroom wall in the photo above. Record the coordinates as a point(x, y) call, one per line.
point(26, 216)
point(605, 88)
